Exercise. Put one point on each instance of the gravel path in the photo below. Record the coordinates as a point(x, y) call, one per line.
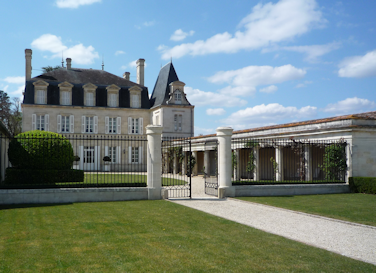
point(348, 239)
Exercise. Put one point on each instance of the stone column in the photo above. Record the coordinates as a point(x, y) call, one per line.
point(236, 167)
point(175, 164)
point(256, 171)
point(154, 156)
point(195, 168)
point(279, 161)
point(224, 157)
point(308, 162)
point(207, 163)
point(349, 172)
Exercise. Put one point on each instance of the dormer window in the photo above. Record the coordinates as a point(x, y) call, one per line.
point(113, 95)
point(40, 92)
point(89, 94)
point(65, 93)
point(177, 97)
point(135, 96)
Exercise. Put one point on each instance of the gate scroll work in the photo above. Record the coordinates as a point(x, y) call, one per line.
point(211, 167)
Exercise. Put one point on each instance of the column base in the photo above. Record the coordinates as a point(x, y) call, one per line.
point(154, 193)
point(226, 191)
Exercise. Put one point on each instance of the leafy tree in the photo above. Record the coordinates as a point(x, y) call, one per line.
point(10, 113)
point(49, 68)
point(334, 164)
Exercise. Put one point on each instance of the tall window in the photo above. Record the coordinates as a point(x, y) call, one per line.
point(135, 155)
point(41, 96)
point(65, 124)
point(90, 99)
point(135, 101)
point(65, 98)
point(89, 125)
point(135, 126)
point(178, 122)
point(177, 97)
point(40, 122)
point(112, 100)
point(112, 154)
point(112, 125)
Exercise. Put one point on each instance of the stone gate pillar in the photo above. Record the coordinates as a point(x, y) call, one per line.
point(224, 161)
point(154, 158)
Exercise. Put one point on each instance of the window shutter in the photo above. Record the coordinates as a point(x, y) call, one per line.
point(118, 124)
point(83, 119)
point(71, 124)
point(118, 154)
point(141, 124)
point(105, 150)
point(129, 125)
point(59, 123)
point(95, 124)
point(33, 122)
point(180, 122)
point(130, 154)
point(107, 121)
point(47, 122)
point(176, 122)
point(140, 155)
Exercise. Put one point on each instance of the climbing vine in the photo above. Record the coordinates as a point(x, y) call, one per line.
point(334, 160)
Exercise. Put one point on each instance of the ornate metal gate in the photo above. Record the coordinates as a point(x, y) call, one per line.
point(176, 167)
point(211, 167)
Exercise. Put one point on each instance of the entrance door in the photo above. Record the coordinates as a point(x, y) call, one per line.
point(89, 158)
point(211, 178)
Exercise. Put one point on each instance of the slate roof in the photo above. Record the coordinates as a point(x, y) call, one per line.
point(83, 76)
point(80, 77)
point(167, 75)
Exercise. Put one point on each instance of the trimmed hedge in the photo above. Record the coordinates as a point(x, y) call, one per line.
point(14, 176)
point(40, 150)
point(363, 184)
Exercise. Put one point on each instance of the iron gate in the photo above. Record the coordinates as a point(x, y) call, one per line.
point(211, 167)
point(176, 167)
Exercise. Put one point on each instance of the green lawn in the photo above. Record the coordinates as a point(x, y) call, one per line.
point(354, 207)
point(149, 236)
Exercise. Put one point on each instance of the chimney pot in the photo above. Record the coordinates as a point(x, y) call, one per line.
point(126, 75)
point(69, 63)
point(28, 54)
point(140, 71)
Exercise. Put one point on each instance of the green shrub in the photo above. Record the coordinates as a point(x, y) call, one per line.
point(14, 176)
point(40, 150)
point(363, 184)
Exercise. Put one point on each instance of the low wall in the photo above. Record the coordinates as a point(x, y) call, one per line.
point(281, 190)
point(74, 195)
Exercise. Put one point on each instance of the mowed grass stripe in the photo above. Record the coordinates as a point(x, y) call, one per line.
point(154, 236)
point(353, 207)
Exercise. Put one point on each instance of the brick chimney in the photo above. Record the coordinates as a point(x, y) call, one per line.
point(140, 71)
point(126, 75)
point(69, 63)
point(28, 53)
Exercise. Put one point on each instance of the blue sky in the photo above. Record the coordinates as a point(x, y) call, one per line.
point(245, 63)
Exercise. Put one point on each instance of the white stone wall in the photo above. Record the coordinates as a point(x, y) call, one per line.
point(166, 116)
point(364, 154)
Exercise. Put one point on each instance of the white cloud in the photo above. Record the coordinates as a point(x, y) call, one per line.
point(359, 66)
point(73, 4)
point(201, 98)
point(301, 85)
point(16, 80)
point(123, 67)
point(203, 131)
point(269, 89)
point(180, 35)
point(149, 24)
point(243, 81)
point(17, 92)
point(313, 52)
point(265, 25)
point(263, 115)
point(215, 112)
point(350, 106)
point(119, 52)
point(79, 53)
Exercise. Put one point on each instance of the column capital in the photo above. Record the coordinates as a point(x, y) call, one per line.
point(224, 131)
point(154, 129)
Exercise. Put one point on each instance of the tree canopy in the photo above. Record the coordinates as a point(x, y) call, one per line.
point(10, 113)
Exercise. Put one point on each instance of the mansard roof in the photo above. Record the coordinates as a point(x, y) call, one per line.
point(82, 76)
point(161, 89)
